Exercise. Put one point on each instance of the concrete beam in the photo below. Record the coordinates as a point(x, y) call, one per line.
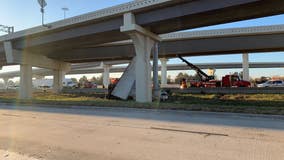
point(195, 46)
point(166, 17)
point(171, 67)
point(130, 27)
point(14, 56)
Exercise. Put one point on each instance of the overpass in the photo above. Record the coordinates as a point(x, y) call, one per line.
point(92, 68)
point(142, 21)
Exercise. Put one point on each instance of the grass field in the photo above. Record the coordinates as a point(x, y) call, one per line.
point(239, 103)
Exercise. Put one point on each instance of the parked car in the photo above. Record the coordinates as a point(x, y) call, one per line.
point(90, 85)
point(272, 83)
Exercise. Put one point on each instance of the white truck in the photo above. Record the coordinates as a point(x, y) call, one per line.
point(48, 83)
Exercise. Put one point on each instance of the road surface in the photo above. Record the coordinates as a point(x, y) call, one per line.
point(46, 133)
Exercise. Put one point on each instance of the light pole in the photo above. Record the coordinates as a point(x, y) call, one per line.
point(6, 29)
point(65, 9)
point(43, 4)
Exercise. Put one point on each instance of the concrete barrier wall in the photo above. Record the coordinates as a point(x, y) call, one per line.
point(279, 90)
point(85, 91)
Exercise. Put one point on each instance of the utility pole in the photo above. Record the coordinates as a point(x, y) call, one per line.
point(6, 29)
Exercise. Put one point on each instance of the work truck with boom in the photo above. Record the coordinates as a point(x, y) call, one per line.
point(210, 82)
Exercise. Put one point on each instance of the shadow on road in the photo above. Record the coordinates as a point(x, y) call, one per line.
point(225, 119)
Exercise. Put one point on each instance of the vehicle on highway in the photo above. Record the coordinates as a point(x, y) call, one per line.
point(164, 96)
point(70, 84)
point(272, 83)
point(90, 85)
point(208, 81)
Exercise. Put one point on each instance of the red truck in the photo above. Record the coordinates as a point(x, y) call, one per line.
point(227, 81)
point(210, 82)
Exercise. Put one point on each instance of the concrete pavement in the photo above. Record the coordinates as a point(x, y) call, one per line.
point(119, 133)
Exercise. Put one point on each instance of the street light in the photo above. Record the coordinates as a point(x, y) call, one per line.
point(65, 9)
point(6, 29)
point(43, 4)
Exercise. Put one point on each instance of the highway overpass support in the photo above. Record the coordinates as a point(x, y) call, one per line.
point(163, 71)
point(58, 78)
point(106, 73)
point(143, 41)
point(6, 80)
point(246, 66)
point(27, 60)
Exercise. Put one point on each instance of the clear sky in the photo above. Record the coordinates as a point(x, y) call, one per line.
point(26, 13)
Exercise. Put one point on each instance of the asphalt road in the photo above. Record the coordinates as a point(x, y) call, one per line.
point(48, 133)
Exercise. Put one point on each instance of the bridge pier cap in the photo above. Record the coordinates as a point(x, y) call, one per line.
point(143, 41)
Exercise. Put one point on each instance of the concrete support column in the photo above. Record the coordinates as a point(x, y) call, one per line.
point(143, 41)
point(155, 71)
point(246, 67)
point(106, 75)
point(164, 71)
point(6, 80)
point(26, 84)
point(143, 46)
point(58, 78)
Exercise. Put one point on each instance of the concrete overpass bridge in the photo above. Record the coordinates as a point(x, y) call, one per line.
point(141, 21)
point(93, 68)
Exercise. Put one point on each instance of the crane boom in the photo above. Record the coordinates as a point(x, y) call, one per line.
point(202, 75)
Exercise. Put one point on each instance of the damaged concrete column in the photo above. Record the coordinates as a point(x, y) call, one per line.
point(143, 41)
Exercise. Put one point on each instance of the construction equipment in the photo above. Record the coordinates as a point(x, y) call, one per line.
point(202, 75)
point(209, 81)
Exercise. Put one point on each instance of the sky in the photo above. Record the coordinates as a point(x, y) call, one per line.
point(23, 14)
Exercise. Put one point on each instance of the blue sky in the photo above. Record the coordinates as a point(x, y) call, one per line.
point(26, 14)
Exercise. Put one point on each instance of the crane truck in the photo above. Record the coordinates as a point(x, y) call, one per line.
point(210, 82)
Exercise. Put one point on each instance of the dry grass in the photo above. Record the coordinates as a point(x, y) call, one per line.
point(258, 104)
